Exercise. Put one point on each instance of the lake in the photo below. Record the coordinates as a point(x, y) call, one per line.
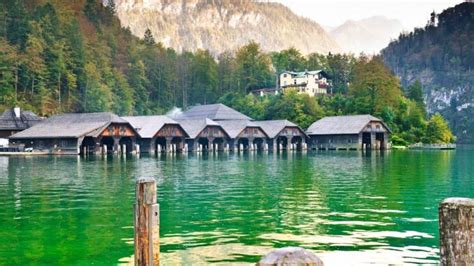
point(232, 208)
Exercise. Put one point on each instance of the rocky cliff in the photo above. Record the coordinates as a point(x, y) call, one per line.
point(441, 57)
point(220, 25)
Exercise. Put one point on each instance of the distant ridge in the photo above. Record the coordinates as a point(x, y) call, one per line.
point(368, 35)
point(223, 25)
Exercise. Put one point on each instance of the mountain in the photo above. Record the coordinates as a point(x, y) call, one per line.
point(223, 25)
point(368, 35)
point(441, 57)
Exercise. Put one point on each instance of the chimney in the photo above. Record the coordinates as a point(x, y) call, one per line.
point(17, 112)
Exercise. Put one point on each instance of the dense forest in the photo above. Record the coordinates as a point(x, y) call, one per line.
point(441, 57)
point(74, 56)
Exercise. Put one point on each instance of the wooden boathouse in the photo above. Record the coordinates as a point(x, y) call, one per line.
point(203, 134)
point(351, 132)
point(244, 135)
point(158, 133)
point(15, 120)
point(76, 133)
point(283, 134)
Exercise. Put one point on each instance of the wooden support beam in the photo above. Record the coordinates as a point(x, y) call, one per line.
point(147, 247)
point(456, 231)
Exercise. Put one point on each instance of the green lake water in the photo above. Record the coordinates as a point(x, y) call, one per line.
point(348, 207)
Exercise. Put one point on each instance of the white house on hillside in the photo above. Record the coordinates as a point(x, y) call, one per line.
point(309, 82)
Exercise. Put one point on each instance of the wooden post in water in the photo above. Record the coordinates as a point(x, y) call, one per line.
point(456, 231)
point(290, 256)
point(147, 245)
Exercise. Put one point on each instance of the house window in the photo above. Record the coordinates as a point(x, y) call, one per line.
point(377, 126)
point(284, 75)
point(330, 141)
point(349, 140)
point(295, 81)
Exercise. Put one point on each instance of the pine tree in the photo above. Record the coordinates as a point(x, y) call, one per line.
point(111, 6)
point(148, 38)
point(415, 92)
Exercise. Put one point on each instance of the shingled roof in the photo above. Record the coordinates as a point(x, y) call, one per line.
point(72, 125)
point(273, 127)
point(215, 112)
point(193, 127)
point(341, 125)
point(9, 120)
point(304, 73)
point(234, 127)
point(148, 126)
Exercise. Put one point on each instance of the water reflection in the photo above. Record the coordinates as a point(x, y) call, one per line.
point(220, 208)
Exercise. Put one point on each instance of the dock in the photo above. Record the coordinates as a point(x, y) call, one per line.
point(421, 146)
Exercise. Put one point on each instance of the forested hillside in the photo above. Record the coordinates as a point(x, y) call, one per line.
point(441, 57)
point(74, 56)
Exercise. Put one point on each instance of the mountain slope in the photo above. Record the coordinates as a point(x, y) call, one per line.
point(223, 25)
point(368, 35)
point(441, 56)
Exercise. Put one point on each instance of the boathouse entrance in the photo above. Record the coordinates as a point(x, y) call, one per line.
point(178, 144)
point(160, 144)
point(366, 140)
point(282, 143)
point(259, 144)
point(298, 142)
point(380, 141)
point(243, 144)
point(109, 143)
point(87, 146)
point(204, 143)
point(127, 143)
point(219, 144)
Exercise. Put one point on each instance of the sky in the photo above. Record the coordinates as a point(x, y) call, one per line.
point(333, 13)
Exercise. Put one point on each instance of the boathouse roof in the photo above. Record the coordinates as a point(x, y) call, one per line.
point(273, 127)
point(148, 126)
point(72, 125)
point(342, 125)
point(234, 127)
point(193, 127)
point(18, 119)
point(215, 112)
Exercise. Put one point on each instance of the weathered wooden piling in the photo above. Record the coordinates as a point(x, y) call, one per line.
point(456, 231)
point(147, 248)
point(290, 256)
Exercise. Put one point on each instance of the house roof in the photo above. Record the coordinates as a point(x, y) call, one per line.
point(148, 126)
point(9, 121)
point(273, 127)
point(73, 125)
point(347, 124)
point(215, 112)
point(304, 73)
point(234, 127)
point(193, 127)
